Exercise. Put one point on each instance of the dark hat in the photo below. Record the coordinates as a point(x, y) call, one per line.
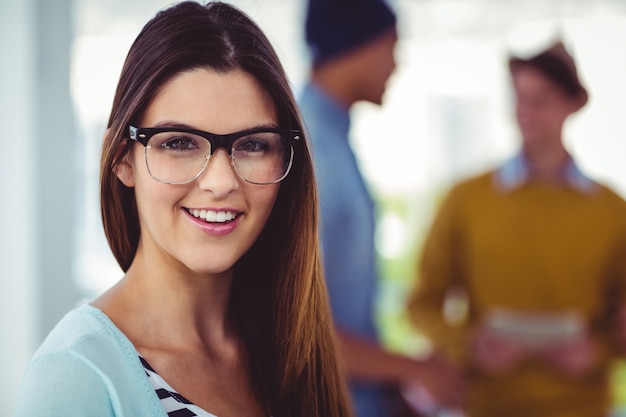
point(337, 26)
point(558, 65)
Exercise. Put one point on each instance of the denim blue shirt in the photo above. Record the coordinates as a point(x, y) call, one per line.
point(347, 230)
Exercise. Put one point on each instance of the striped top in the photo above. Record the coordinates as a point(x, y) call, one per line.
point(175, 405)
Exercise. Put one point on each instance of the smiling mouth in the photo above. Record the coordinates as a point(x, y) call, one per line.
point(213, 216)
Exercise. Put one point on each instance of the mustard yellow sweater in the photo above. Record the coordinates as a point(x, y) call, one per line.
point(539, 247)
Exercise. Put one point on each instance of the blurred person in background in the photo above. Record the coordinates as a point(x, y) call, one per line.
point(522, 272)
point(352, 43)
point(222, 309)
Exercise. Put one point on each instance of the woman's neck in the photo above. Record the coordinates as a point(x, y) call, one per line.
point(166, 308)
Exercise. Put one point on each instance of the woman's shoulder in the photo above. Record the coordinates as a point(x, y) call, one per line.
point(86, 366)
point(82, 330)
point(87, 335)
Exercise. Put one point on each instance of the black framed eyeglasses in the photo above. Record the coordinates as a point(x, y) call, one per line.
point(177, 155)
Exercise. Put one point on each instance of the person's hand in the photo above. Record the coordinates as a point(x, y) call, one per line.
point(435, 383)
point(493, 352)
point(573, 357)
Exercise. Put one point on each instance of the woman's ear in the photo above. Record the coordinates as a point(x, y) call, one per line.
point(124, 168)
point(124, 171)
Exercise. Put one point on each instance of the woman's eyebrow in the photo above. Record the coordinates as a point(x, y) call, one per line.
point(174, 124)
point(171, 123)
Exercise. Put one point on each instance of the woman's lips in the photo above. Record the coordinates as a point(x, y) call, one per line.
point(215, 222)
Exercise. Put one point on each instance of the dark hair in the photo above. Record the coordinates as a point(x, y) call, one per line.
point(558, 66)
point(278, 297)
point(555, 70)
point(336, 27)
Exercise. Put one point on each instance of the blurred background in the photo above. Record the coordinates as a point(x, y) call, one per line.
point(447, 114)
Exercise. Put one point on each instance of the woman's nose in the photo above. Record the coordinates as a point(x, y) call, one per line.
point(219, 176)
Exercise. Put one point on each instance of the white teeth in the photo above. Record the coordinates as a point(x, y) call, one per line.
point(213, 216)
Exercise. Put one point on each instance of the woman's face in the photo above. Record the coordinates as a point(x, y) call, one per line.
point(173, 230)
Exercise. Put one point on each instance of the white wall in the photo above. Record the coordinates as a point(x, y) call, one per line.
point(37, 150)
point(17, 231)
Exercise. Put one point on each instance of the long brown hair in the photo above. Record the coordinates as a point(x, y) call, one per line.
point(278, 296)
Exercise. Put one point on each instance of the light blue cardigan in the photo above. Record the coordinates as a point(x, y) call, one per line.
point(87, 367)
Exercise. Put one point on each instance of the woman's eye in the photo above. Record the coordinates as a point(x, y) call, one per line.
point(252, 145)
point(178, 143)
